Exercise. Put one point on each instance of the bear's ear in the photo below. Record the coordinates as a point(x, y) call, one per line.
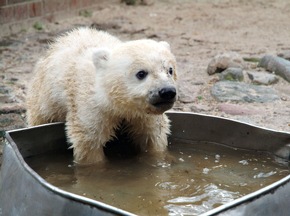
point(101, 56)
point(165, 44)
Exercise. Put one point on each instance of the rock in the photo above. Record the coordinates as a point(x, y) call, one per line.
point(239, 91)
point(285, 55)
point(262, 78)
point(221, 62)
point(277, 65)
point(237, 109)
point(232, 74)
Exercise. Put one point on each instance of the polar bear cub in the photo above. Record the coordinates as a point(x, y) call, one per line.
point(96, 83)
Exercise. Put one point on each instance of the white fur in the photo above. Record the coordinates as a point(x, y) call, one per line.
point(88, 79)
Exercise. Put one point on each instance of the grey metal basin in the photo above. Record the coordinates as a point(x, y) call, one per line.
point(23, 192)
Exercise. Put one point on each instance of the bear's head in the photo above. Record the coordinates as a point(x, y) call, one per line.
point(140, 76)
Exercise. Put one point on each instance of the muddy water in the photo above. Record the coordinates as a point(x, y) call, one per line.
point(202, 176)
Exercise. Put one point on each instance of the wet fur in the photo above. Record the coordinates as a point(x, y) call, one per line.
point(87, 79)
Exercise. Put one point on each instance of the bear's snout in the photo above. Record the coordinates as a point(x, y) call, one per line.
point(167, 93)
point(163, 99)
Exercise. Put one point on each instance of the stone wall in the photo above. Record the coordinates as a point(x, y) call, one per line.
point(15, 15)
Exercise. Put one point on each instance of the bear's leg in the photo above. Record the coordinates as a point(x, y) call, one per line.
point(88, 140)
point(42, 108)
point(34, 113)
point(37, 115)
point(150, 133)
point(34, 118)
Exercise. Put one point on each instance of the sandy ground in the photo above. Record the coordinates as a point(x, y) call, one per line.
point(197, 31)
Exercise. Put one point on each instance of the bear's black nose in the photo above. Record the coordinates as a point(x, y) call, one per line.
point(167, 93)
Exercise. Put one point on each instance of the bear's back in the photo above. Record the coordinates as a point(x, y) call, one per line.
point(71, 55)
point(67, 68)
point(84, 38)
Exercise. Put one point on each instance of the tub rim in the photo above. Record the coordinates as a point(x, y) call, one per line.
point(51, 187)
point(239, 201)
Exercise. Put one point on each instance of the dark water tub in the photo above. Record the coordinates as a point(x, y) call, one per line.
point(23, 192)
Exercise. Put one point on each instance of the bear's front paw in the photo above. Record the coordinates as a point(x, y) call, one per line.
point(90, 157)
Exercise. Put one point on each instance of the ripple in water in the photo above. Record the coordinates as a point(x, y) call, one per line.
point(203, 176)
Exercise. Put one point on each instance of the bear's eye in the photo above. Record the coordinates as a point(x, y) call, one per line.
point(170, 71)
point(141, 74)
